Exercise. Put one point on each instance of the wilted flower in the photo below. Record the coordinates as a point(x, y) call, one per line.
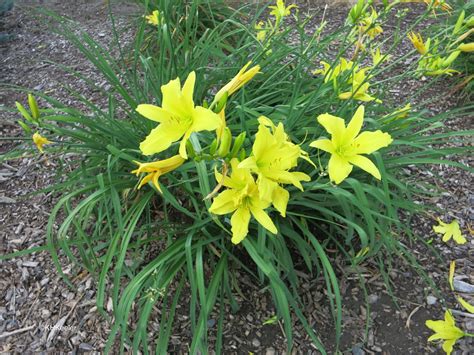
point(450, 230)
point(154, 18)
point(242, 77)
point(39, 140)
point(346, 145)
point(418, 43)
point(157, 168)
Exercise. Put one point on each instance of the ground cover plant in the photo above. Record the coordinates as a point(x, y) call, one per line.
point(267, 154)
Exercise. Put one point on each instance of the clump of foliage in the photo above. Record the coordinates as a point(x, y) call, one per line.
point(224, 141)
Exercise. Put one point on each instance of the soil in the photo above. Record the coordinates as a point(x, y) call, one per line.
point(34, 299)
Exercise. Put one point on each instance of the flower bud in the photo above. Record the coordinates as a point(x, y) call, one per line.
point(33, 107)
point(23, 112)
point(466, 47)
point(25, 127)
point(226, 141)
point(237, 144)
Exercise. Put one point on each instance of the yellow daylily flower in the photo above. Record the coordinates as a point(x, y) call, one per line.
point(466, 47)
point(331, 74)
point(280, 10)
point(242, 77)
point(418, 42)
point(445, 330)
point(153, 18)
point(273, 155)
point(346, 145)
point(379, 58)
point(450, 230)
point(360, 88)
point(39, 140)
point(368, 25)
point(177, 117)
point(241, 198)
point(434, 3)
point(261, 31)
point(157, 168)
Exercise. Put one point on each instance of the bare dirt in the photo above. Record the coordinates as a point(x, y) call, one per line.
point(34, 299)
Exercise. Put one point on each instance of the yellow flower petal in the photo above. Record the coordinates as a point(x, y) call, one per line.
point(240, 224)
point(365, 164)
point(452, 267)
point(160, 138)
point(369, 142)
point(224, 203)
point(469, 307)
point(334, 125)
point(323, 144)
point(280, 199)
point(154, 113)
point(264, 219)
point(338, 168)
point(205, 120)
point(355, 125)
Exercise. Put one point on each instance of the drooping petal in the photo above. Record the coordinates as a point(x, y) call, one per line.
point(224, 202)
point(182, 144)
point(154, 113)
point(338, 168)
point(355, 125)
point(205, 120)
point(240, 224)
point(323, 144)
point(448, 346)
point(369, 142)
point(262, 217)
point(365, 164)
point(280, 200)
point(467, 306)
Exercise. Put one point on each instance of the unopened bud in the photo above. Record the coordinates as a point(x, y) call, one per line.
point(226, 141)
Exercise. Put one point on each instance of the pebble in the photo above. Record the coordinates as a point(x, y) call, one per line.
point(373, 298)
point(256, 343)
point(462, 286)
point(357, 350)
point(30, 263)
point(45, 314)
point(431, 300)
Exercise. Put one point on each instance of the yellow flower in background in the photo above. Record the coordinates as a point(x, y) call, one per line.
point(368, 25)
point(153, 18)
point(418, 43)
point(273, 155)
point(450, 230)
point(242, 199)
point(242, 77)
point(402, 113)
point(468, 307)
point(332, 73)
point(466, 47)
point(280, 10)
point(177, 117)
point(346, 145)
point(360, 88)
point(157, 168)
point(445, 330)
point(261, 31)
point(379, 58)
point(39, 140)
point(434, 3)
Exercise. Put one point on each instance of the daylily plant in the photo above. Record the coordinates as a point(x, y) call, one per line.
point(347, 146)
point(178, 118)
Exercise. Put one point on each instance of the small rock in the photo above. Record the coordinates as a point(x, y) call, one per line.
point(45, 314)
point(270, 351)
point(44, 281)
point(86, 347)
point(462, 286)
point(357, 350)
point(211, 323)
point(431, 300)
point(373, 298)
point(256, 343)
point(7, 200)
point(30, 263)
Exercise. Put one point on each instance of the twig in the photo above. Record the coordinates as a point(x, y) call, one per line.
point(407, 324)
point(21, 330)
